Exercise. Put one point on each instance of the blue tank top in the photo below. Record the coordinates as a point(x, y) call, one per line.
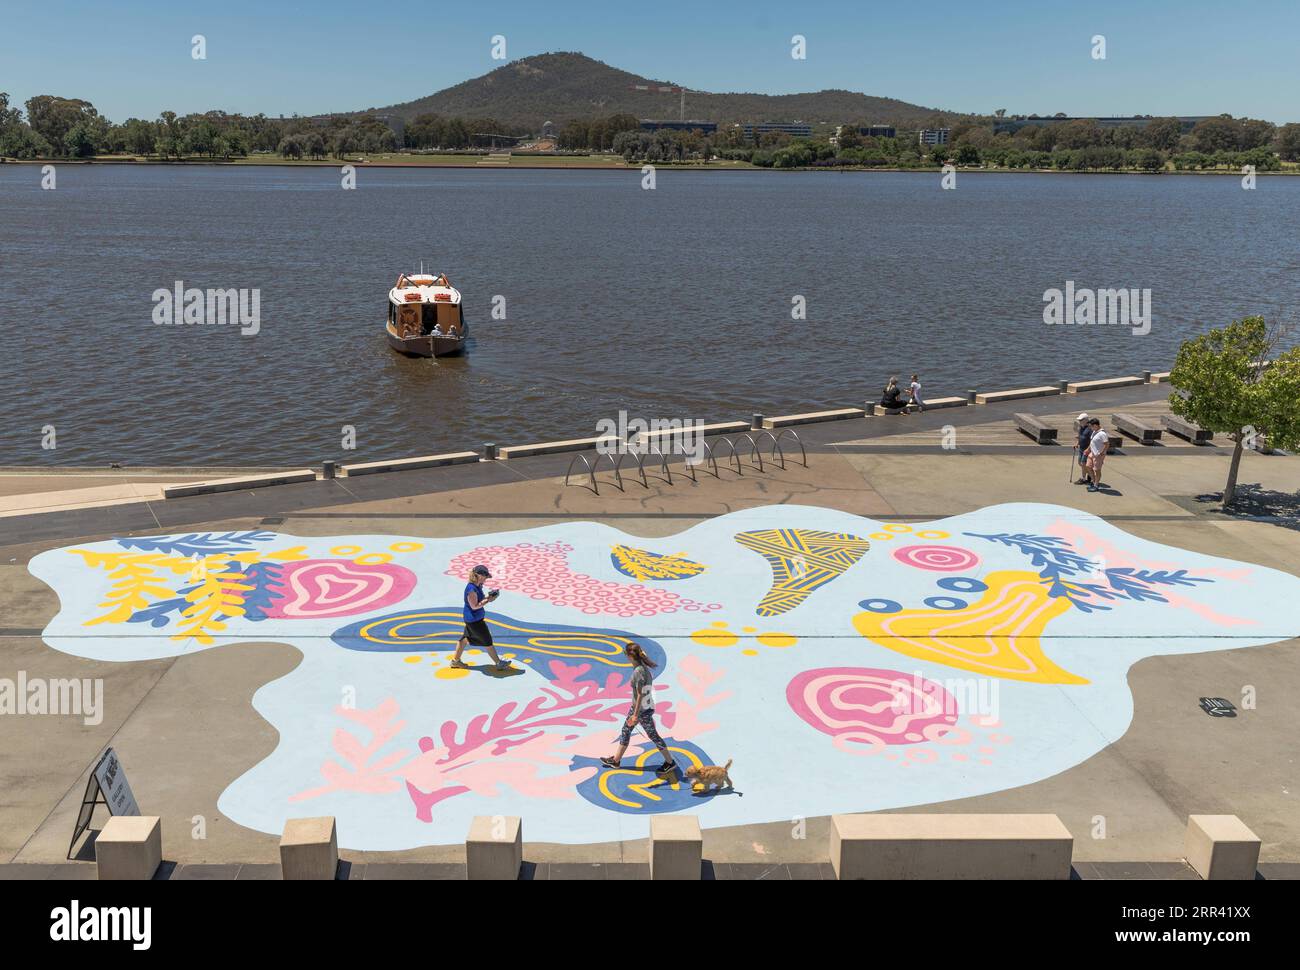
point(472, 615)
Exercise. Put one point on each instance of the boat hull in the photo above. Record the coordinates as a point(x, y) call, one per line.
point(425, 346)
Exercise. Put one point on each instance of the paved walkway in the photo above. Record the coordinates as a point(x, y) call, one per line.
point(187, 730)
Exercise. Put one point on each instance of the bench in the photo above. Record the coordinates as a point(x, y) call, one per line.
point(811, 417)
point(1221, 847)
point(1038, 429)
point(1081, 387)
point(1018, 394)
point(1186, 429)
point(1135, 428)
point(920, 846)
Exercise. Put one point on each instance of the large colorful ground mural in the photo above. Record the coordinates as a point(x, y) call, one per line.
point(840, 663)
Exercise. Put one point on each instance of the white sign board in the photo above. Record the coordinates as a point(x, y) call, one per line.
point(112, 782)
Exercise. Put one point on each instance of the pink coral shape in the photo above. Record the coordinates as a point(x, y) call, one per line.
point(337, 587)
point(542, 572)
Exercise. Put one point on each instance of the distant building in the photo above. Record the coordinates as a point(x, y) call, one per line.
point(867, 131)
point(705, 127)
point(934, 136)
point(795, 130)
point(548, 129)
point(1012, 125)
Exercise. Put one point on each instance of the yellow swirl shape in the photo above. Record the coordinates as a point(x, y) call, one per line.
point(997, 636)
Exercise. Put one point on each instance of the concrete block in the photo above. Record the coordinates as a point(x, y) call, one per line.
point(239, 484)
point(676, 847)
point(934, 404)
point(556, 447)
point(407, 464)
point(785, 420)
point(309, 848)
point(1016, 394)
point(129, 847)
point(1221, 847)
point(1079, 387)
point(494, 848)
point(889, 846)
point(1160, 378)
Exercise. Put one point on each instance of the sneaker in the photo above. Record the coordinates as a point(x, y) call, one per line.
point(1093, 488)
point(666, 767)
point(609, 762)
point(503, 665)
point(1081, 481)
point(460, 664)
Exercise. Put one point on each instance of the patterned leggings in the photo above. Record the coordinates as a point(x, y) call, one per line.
point(647, 721)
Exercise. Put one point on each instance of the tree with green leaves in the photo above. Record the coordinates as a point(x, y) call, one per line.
point(1236, 381)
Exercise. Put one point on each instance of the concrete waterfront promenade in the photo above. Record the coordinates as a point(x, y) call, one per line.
point(1173, 762)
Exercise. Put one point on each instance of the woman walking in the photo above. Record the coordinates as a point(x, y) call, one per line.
point(642, 711)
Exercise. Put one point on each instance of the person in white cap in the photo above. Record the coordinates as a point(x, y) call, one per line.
point(475, 613)
point(1085, 439)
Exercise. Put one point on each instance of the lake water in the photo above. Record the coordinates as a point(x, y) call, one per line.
point(670, 303)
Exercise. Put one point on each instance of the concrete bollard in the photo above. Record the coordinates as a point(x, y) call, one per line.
point(917, 846)
point(756, 422)
point(1062, 385)
point(129, 847)
point(1221, 847)
point(489, 451)
point(309, 848)
point(327, 470)
point(1146, 377)
point(494, 848)
point(676, 847)
point(970, 396)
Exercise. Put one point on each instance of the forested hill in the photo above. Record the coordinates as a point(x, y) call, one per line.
point(564, 86)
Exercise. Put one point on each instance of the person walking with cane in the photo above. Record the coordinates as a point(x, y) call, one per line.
point(642, 711)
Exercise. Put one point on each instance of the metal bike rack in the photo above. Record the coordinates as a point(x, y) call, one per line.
point(776, 448)
point(734, 457)
point(663, 461)
point(753, 451)
point(787, 431)
point(590, 472)
point(618, 476)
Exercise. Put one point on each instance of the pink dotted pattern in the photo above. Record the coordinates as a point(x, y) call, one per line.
point(540, 570)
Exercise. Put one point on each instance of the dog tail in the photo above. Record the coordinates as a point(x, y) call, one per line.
point(727, 766)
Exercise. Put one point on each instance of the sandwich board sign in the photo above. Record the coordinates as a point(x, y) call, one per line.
point(107, 785)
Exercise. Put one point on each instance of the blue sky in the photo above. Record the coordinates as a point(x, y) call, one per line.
point(132, 57)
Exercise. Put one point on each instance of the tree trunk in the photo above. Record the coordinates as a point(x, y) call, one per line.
point(1230, 490)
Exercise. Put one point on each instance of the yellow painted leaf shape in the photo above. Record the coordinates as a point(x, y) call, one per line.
point(999, 635)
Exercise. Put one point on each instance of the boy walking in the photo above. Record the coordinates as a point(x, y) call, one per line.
point(1085, 437)
point(1097, 446)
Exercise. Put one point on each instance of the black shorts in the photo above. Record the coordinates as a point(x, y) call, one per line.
point(478, 634)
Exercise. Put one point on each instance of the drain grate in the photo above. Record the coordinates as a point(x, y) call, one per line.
point(1218, 707)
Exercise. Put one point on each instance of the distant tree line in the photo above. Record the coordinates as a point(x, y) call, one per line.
point(54, 127)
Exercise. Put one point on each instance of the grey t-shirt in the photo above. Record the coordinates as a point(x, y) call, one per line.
point(642, 687)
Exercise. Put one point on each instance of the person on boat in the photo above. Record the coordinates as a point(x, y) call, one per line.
point(892, 397)
point(642, 711)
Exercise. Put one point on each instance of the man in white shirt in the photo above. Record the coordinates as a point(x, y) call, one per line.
point(1097, 448)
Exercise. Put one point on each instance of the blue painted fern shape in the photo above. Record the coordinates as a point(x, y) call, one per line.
point(266, 580)
point(198, 543)
point(1056, 561)
point(1136, 584)
point(159, 614)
